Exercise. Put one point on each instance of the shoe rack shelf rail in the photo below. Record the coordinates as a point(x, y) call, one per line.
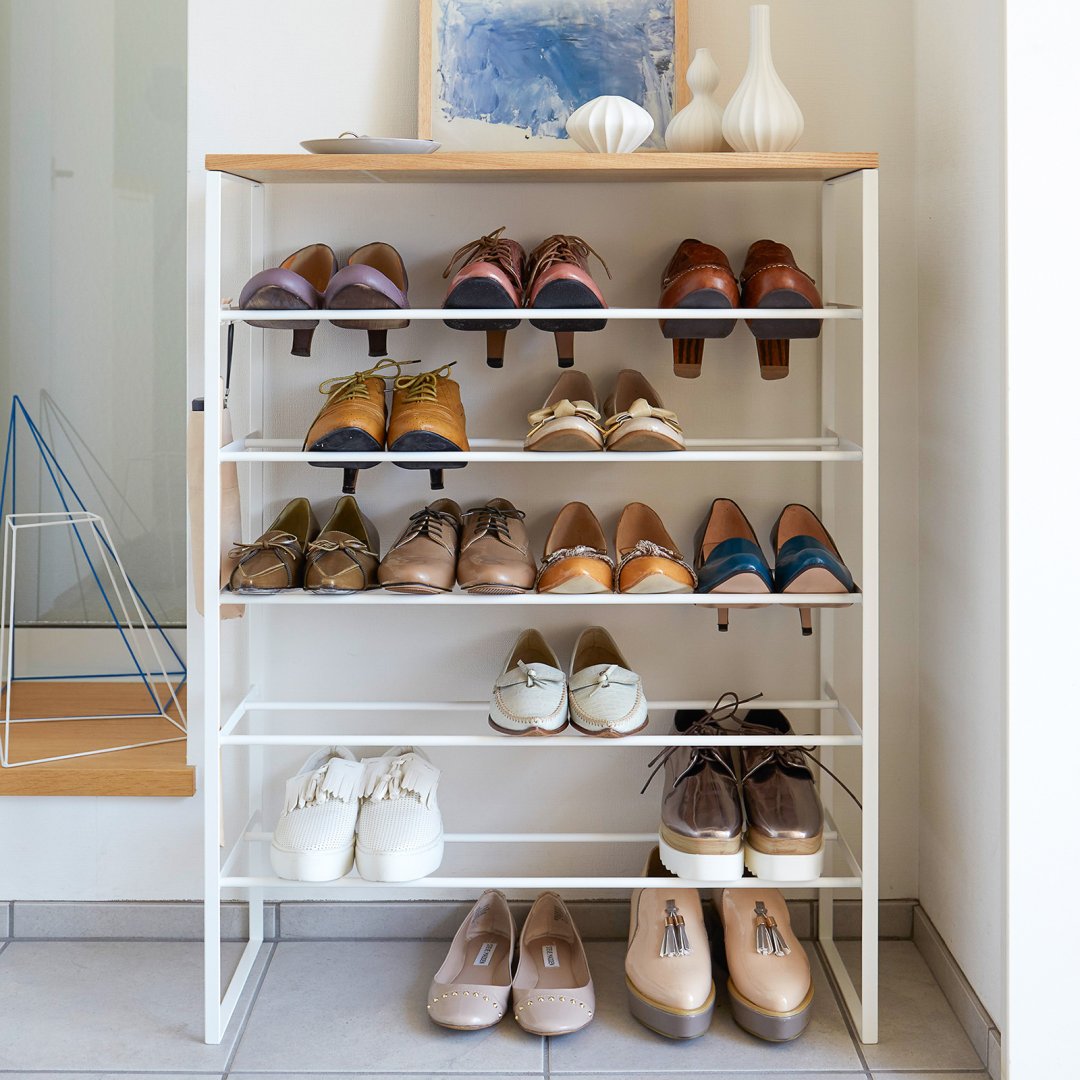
point(242, 724)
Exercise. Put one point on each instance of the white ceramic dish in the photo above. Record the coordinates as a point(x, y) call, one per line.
point(348, 143)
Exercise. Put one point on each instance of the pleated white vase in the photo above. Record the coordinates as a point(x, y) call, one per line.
point(699, 127)
point(609, 125)
point(762, 116)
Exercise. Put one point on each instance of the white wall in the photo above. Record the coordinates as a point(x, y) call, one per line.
point(961, 508)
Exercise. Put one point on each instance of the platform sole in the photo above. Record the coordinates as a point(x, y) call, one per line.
point(784, 867)
point(399, 865)
point(311, 865)
point(765, 1024)
point(701, 865)
point(671, 1023)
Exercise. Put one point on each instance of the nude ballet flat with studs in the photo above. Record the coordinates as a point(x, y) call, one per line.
point(472, 988)
point(553, 989)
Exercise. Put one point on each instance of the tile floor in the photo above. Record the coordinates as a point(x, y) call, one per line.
point(106, 1010)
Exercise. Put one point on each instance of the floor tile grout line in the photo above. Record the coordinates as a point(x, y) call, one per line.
point(247, 1013)
point(842, 1005)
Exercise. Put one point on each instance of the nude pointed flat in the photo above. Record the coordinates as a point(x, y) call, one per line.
point(576, 558)
point(649, 560)
point(472, 988)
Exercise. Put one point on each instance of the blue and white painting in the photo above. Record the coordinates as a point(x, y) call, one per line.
point(507, 73)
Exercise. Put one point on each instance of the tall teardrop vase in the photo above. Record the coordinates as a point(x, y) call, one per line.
point(698, 128)
point(762, 116)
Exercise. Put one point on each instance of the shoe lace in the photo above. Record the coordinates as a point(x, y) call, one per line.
point(354, 387)
point(492, 248)
point(284, 545)
point(423, 387)
point(561, 248)
point(721, 720)
point(494, 521)
point(429, 523)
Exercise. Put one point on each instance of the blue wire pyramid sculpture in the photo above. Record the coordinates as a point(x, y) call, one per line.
point(76, 513)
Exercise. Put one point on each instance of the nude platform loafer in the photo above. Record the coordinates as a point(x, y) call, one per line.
point(423, 559)
point(637, 420)
point(553, 989)
point(530, 696)
point(668, 962)
point(649, 560)
point(606, 697)
point(276, 560)
point(472, 988)
point(344, 557)
point(769, 984)
point(495, 556)
point(569, 421)
point(576, 558)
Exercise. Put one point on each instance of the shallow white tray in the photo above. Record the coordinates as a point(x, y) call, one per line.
point(347, 143)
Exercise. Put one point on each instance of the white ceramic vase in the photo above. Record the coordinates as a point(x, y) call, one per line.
point(609, 125)
point(762, 116)
point(699, 127)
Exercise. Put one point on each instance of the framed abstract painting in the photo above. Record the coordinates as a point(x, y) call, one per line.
point(506, 74)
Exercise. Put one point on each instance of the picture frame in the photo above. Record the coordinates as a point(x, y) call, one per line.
point(547, 83)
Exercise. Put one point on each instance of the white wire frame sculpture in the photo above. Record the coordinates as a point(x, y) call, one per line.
point(129, 615)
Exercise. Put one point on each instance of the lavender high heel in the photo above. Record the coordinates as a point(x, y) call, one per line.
point(296, 285)
point(374, 277)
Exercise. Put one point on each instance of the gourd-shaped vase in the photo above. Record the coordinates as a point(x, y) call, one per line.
point(699, 127)
point(609, 125)
point(762, 116)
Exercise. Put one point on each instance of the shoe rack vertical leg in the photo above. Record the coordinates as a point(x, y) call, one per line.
point(256, 390)
point(827, 498)
point(211, 690)
point(868, 1023)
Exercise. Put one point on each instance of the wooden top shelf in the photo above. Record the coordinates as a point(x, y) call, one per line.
point(564, 166)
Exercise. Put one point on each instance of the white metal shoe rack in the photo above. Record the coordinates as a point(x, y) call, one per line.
point(842, 724)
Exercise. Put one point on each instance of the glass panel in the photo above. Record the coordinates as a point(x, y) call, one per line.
point(93, 117)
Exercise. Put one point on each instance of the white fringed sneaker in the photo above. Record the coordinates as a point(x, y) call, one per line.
point(313, 839)
point(399, 833)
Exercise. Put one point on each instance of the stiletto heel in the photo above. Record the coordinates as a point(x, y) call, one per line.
point(807, 623)
point(301, 341)
point(722, 619)
point(496, 345)
point(564, 347)
point(376, 342)
point(687, 354)
point(773, 358)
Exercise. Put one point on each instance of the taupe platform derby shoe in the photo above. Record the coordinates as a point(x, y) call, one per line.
point(769, 982)
point(345, 555)
point(472, 988)
point(701, 815)
point(495, 556)
point(668, 963)
point(424, 557)
point(553, 990)
point(276, 560)
point(786, 833)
